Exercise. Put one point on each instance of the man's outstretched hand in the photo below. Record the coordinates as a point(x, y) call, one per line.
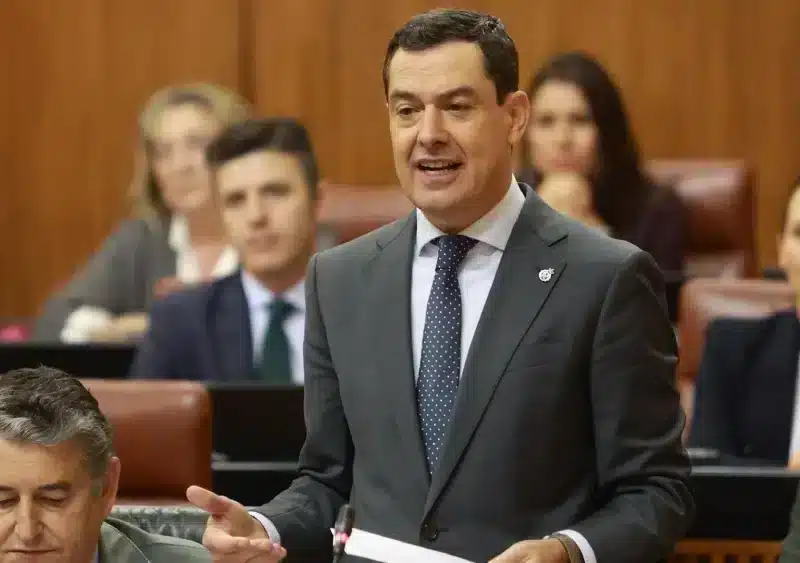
point(232, 535)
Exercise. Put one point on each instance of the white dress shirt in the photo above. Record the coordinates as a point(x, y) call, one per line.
point(85, 320)
point(187, 266)
point(258, 300)
point(475, 278)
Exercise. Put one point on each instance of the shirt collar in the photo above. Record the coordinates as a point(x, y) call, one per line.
point(494, 228)
point(258, 296)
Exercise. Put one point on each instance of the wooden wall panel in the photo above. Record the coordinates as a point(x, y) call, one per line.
point(702, 78)
point(74, 77)
point(708, 78)
point(52, 71)
point(294, 68)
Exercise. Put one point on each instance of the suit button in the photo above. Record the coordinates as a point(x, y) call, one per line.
point(429, 531)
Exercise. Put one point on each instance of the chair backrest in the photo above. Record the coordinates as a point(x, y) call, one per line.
point(726, 551)
point(704, 299)
point(162, 436)
point(184, 522)
point(718, 195)
point(350, 211)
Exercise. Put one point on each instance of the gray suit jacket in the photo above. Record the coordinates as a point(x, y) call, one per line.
point(120, 277)
point(121, 542)
point(790, 550)
point(567, 413)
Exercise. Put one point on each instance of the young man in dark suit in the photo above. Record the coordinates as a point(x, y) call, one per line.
point(248, 326)
point(746, 404)
point(485, 377)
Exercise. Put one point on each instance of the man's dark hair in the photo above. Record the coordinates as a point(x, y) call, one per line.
point(284, 135)
point(46, 407)
point(430, 29)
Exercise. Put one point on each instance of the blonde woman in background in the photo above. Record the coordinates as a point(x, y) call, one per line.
point(175, 237)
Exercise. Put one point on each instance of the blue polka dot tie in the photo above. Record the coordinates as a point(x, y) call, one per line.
point(440, 358)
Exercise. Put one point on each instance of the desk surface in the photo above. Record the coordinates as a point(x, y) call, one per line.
point(732, 502)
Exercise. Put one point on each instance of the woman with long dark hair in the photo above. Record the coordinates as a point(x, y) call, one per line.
point(580, 138)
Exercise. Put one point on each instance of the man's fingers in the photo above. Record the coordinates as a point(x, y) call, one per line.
point(219, 542)
point(214, 504)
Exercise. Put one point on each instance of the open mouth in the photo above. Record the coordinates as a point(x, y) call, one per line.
point(438, 167)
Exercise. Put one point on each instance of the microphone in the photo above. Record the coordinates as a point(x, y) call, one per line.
point(342, 531)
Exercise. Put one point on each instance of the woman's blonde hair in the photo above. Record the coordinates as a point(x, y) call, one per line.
point(226, 106)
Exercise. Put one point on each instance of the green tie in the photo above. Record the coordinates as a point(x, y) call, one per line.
point(274, 366)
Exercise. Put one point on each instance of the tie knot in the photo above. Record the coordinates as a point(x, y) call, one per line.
point(453, 249)
point(280, 309)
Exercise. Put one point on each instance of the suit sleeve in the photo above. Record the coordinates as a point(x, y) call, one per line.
point(642, 492)
point(712, 421)
point(305, 512)
point(158, 354)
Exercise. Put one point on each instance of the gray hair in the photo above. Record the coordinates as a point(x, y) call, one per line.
point(45, 406)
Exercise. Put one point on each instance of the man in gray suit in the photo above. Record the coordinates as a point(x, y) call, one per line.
point(59, 478)
point(485, 377)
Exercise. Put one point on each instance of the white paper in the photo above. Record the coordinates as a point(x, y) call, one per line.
point(386, 550)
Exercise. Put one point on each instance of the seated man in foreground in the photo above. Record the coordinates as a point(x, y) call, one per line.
point(59, 479)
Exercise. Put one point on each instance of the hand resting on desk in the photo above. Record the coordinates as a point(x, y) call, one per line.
point(232, 535)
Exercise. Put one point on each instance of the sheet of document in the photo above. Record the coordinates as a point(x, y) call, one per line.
point(380, 548)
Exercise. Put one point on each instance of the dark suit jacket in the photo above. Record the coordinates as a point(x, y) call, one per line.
point(744, 402)
point(567, 414)
point(202, 334)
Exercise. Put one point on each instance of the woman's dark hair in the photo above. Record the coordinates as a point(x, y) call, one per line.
point(621, 188)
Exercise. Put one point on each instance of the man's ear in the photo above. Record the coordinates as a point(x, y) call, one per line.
point(518, 108)
point(320, 194)
point(111, 484)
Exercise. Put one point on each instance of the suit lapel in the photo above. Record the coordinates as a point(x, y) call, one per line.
point(390, 302)
point(115, 547)
point(230, 339)
point(516, 297)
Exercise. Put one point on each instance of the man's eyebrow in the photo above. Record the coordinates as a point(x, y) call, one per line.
point(467, 91)
point(58, 486)
point(403, 95)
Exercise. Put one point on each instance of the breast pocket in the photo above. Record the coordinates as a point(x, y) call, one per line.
point(539, 353)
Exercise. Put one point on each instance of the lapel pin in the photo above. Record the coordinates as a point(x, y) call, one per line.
point(546, 275)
